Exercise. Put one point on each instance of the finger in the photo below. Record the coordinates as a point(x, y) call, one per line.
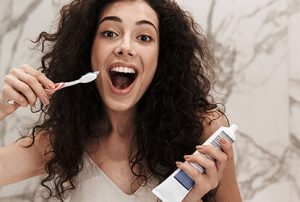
point(213, 153)
point(34, 84)
point(200, 159)
point(9, 93)
point(227, 148)
point(199, 179)
point(219, 157)
point(21, 87)
point(47, 83)
point(191, 171)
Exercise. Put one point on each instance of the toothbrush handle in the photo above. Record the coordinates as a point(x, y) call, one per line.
point(61, 85)
point(71, 83)
point(57, 87)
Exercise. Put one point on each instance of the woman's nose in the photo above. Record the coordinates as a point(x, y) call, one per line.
point(125, 48)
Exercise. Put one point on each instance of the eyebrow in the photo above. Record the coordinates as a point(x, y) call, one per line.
point(117, 19)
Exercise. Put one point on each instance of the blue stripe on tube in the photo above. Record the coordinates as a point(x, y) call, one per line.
point(184, 179)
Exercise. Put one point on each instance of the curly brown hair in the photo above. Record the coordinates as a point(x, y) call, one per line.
point(169, 114)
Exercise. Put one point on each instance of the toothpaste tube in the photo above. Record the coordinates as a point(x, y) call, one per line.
point(178, 184)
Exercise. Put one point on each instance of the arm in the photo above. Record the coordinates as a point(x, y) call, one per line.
point(24, 86)
point(220, 172)
point(228, 190)
point(17, 162)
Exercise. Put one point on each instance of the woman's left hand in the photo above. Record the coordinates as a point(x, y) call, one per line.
point(214, 168)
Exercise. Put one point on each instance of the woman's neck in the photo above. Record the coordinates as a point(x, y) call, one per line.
point(116, 145)
point(122, 123)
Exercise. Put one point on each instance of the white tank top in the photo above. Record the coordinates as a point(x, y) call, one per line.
point(95, 186)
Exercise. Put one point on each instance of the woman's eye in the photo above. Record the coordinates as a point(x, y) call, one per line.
point(109, 34)
point(145, 38)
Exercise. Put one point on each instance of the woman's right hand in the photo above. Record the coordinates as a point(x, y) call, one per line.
point(23, 86)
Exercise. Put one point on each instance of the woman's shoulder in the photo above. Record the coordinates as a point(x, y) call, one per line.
point(211, 121)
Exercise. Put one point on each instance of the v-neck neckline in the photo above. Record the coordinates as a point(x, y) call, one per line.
point(110, 181)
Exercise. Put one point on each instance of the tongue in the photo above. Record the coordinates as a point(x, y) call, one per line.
point(120, 82)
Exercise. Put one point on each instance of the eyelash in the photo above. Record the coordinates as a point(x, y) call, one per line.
point(104, 34)
point(149, 38)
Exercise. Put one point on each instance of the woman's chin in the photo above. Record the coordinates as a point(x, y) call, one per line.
point(120, 106)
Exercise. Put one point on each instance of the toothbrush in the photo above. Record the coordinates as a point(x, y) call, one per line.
point(91, 76)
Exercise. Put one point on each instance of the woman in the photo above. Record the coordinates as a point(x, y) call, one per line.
point(117, 138)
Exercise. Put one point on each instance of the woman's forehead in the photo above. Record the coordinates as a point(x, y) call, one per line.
point(136, 10)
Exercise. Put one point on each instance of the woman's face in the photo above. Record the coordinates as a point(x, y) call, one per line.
point(125, 51)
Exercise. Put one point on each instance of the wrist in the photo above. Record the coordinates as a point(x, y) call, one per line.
point(3, 114)
point(192, 197)
point(191, 200)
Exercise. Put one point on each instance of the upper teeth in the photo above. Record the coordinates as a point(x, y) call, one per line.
point(123, 70)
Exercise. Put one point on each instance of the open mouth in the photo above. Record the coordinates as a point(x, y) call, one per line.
point(122, 77)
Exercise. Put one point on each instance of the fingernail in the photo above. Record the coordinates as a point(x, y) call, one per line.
point(50, 92)
point(199, 147)
point(51, 86)
point(178, 163)
point(222, 140)
point(186, 157)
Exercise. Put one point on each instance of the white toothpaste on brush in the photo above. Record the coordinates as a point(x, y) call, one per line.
point(178, 184)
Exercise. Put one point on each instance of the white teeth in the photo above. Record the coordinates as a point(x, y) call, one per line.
point(123, 70)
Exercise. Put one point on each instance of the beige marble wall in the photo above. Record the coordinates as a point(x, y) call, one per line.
point(257, 43)
point(258, 46)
